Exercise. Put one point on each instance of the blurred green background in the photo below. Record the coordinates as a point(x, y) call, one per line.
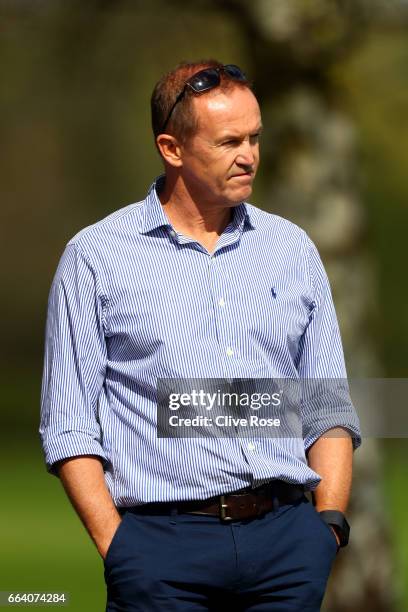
point(76, 145)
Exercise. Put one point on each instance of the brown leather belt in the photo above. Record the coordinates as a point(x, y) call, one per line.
point(239, 505)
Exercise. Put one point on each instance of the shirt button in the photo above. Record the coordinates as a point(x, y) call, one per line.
point(230, 352)
point(251, 446)
point(172, 233)
point(222, 302)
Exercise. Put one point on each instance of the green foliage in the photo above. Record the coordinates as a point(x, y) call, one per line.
point(375, 81)
point(395, 492)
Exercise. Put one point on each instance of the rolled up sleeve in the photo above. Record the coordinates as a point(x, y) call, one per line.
point(326, 401)
point(75, 362)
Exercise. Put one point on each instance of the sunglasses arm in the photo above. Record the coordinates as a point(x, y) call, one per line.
point(179, 97)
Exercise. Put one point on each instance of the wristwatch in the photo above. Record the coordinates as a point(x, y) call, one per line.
point(337, 520)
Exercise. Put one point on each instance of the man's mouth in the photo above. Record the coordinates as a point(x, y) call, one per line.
point(239, 174)
point(243, 176)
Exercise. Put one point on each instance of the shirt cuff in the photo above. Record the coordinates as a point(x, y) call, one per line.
point(324, 426)
point(70, 444)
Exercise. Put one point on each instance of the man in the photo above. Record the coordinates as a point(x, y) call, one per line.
point(194, 283)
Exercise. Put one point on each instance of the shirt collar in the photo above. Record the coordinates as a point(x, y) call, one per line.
point(153, 215)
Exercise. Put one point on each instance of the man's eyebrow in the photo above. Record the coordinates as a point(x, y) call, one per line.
point(237, 135)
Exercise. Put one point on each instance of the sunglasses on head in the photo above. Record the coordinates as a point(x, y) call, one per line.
point(204, 80)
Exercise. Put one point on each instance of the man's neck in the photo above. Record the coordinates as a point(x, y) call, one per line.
point(198, 220)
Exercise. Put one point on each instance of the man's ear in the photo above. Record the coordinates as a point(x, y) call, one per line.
point(170, 149)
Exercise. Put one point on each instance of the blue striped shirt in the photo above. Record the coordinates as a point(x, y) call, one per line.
point(134, 301)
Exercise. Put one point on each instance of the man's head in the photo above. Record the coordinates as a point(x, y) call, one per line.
point(206, 124)
point(171, 102)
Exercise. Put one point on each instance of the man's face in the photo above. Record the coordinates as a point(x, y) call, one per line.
point(220, 160)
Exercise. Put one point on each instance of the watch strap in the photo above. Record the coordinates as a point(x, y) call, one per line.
point(338, 521)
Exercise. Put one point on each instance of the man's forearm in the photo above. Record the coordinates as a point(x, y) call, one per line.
point(331, 458)
point(84, 483)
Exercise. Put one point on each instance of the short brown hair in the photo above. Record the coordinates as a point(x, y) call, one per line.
point(183, 122)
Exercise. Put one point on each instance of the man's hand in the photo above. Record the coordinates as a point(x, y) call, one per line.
point(84, 482)
point(104, 544)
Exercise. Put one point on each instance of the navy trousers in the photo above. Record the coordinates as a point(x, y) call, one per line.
point(183, 562)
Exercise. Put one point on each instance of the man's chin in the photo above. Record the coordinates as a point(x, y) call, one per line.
point(234, 197)
point(242, 194)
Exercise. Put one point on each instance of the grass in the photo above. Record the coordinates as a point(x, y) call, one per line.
point(44, 545)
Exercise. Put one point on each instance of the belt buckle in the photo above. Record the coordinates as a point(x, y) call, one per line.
point(223, 510)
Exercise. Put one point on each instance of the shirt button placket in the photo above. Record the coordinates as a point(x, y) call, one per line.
point(221, 303)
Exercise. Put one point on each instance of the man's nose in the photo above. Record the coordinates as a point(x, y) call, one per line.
point(246, 155)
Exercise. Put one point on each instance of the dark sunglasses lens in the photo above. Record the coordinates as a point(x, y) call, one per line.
point(206, 79)
point(235, 72)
